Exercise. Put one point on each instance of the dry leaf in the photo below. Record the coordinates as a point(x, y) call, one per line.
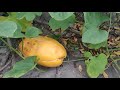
point(81, 50)
point(117, 53)
point(105, 75)
point(78, 26)
point(117, 27)
point(117, 39)
point(80, 68)
point(112, 55)
point(111, 43)
point(118, 45)
point(75, 39)
point(64, 41)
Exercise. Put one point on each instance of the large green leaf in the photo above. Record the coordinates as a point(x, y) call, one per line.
point(96, 65)
point(7, 28)
point(33, 32)
point(97, 46)
point(54, 24)
point(21, 68)
point(23, 23)
point(60, 15)
point(18, 33)
point(28, 15)
point(94, 36)
point(92, 33)
point(94, 19)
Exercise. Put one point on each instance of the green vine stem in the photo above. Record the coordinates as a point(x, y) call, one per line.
point(11, 48)
point(115, 49)
point(74, 60)
point(110, 21)
point(113, 60)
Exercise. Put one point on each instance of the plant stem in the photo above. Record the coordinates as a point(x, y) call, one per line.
point(5, 65)
point(116, 70)
point(107, 49)
point(116, 59)
point(41, 71)
point(2, 46)
point(13, 56)
point(74, 60)
point(11, 47)
point(113, 61)
point(115, 49)
point(110, 21)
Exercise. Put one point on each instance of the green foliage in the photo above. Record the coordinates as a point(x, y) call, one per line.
point(94, 19)
point(32, 32)
point(97, 46)
point(59, 16)
point(12, 26)
point(28, 15)
point(87, 54)
point(92, 33)
point(21, 68)
point(94, 36)
point(64, 24)
point(18, 34)
point(19, 25)
point(7, 28)
point(95, 65)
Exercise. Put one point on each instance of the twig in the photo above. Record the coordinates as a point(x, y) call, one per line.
point(107, 49)
point(11, 48)
point(115, 49)
point(13, 56)
point(39, 70)
point(117, 65)
point(75, 31)
point(113, 61)
point(5, 65)
point(116, 70)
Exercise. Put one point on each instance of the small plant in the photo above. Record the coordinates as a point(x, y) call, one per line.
point(95, 64)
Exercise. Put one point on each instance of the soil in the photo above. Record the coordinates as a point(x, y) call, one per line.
point(68, 69)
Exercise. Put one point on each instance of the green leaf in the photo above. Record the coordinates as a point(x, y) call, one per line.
point(17, 33)
point(28, 15)
point(12, 14)
point(96, 66)
point(97, 46)
point(54, 24)
point(33, 32)
point(87, 62)
point(92, 34)
point(87, 54)
point(21, 68)
point(60, 15)
point(7, 28)
point(22, 24)
point(94, 19)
